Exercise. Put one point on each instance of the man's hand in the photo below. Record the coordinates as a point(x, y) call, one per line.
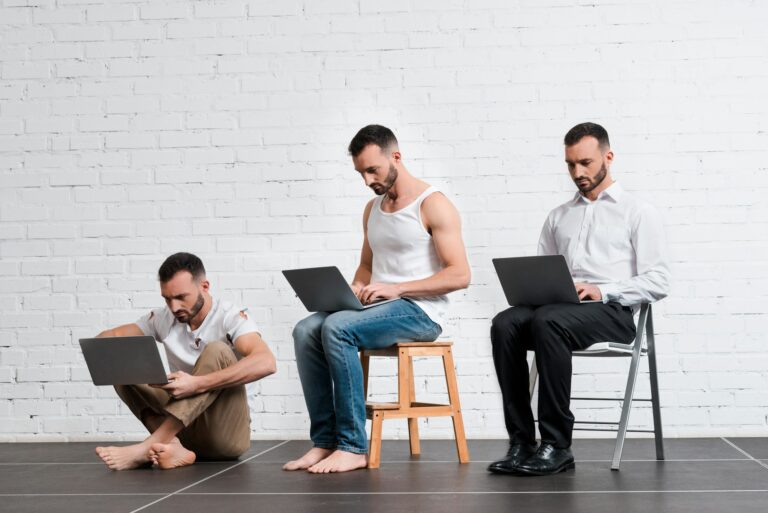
point(588, 291)
point(374, 291)
point(181, 385)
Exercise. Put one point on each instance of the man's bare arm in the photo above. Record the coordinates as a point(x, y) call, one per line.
point(443, 221)
point(126, 330)
point(257, 362)
point(365, 269)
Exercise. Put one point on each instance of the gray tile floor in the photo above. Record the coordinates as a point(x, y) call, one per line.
point(699, 475)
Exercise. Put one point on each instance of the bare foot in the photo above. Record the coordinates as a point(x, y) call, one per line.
point(171, 455)
point(124, 458)
point(339, 461)
point(314, 455)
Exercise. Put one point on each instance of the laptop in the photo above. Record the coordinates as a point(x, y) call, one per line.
point(324, 289)
point(124, 361)
point(537, 281)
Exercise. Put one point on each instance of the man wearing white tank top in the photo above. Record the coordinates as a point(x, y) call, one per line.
point(412, 252)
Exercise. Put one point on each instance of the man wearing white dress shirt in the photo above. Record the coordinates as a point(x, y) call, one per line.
point(615, 249)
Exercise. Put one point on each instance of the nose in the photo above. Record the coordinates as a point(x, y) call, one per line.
point(579, 172)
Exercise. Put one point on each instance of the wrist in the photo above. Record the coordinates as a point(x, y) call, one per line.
point(202, 384)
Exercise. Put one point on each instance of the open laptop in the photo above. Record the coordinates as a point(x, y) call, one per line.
point(324, 289)
point(537, 281)
point(124, 361)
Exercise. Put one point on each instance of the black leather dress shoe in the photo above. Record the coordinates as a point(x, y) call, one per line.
point(517, 453)
point(547, 460)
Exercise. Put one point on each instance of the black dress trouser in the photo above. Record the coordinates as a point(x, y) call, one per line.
point(552, 332)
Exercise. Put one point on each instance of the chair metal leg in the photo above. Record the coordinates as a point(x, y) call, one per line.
point(655, 400)
point(532, 376)
point(629, 393)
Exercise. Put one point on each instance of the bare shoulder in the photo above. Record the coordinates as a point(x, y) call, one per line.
point(437, 209)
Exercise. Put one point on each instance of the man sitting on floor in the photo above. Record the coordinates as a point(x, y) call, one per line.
point(203, 410)
point(412, 252)
point(614, 246)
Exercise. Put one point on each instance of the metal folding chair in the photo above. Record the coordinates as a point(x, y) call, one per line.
point(634, 350)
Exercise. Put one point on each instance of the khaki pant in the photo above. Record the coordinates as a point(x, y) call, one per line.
point(217, 424)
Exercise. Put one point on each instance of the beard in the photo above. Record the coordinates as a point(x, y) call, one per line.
point(389, 181)
point(187, 315)
point(586, 184)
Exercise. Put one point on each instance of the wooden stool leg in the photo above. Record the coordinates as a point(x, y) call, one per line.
point(413, 422)
point(374, 451)
point(365, 362)
point(453, 396)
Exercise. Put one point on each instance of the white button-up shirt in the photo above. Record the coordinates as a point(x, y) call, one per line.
point(615, 242)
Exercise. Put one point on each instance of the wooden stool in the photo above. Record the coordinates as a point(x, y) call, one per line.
point(406, 406)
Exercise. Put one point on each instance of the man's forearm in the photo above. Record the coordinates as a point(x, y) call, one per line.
point(362, 276)
point(448, 280)
point(247, 370)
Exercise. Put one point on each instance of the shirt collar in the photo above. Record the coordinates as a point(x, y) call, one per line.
point(614, 192)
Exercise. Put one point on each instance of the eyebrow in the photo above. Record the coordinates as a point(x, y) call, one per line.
point(180, 296)
point(579, 160)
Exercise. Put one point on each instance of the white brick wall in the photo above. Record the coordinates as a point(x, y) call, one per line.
point(133, 129)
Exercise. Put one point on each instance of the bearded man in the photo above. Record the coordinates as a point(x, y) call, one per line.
point(412, 252)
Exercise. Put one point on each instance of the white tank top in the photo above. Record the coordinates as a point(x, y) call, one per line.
point(403, 250)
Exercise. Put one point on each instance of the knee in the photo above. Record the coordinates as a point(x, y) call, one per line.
point(545, 320)
point(336, 329)
point(220, 352)
point(304, 334)
point(505, 327)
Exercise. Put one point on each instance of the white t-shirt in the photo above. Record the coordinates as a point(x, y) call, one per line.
point(225, 322)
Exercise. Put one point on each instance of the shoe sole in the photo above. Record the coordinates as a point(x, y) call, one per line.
point(564, 468)
point(503, 472)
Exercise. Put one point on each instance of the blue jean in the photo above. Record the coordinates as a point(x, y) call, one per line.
point(327, 346)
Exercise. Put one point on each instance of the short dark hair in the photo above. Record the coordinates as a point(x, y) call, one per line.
point(181, 262)
point(583, 130)
point(379, 135)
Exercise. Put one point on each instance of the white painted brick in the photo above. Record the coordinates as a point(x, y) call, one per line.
point(267, 8)
point(111, 13)
point(24, 248)
point(164, 12)
point(23, 425)
point(68, 424)
point(44, 374)
point(21, 391)
point(191, 29)
point(26, 70)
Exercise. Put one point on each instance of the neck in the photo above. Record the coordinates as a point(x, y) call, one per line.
point(403, 186)
point(594, 193)
point(198, 319)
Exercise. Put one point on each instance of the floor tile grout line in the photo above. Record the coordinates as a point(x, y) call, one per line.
point(706, 460)
point(745, 453)
point(80, 494)
point(211, 462)
point(210, 477)
point(500, 492)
